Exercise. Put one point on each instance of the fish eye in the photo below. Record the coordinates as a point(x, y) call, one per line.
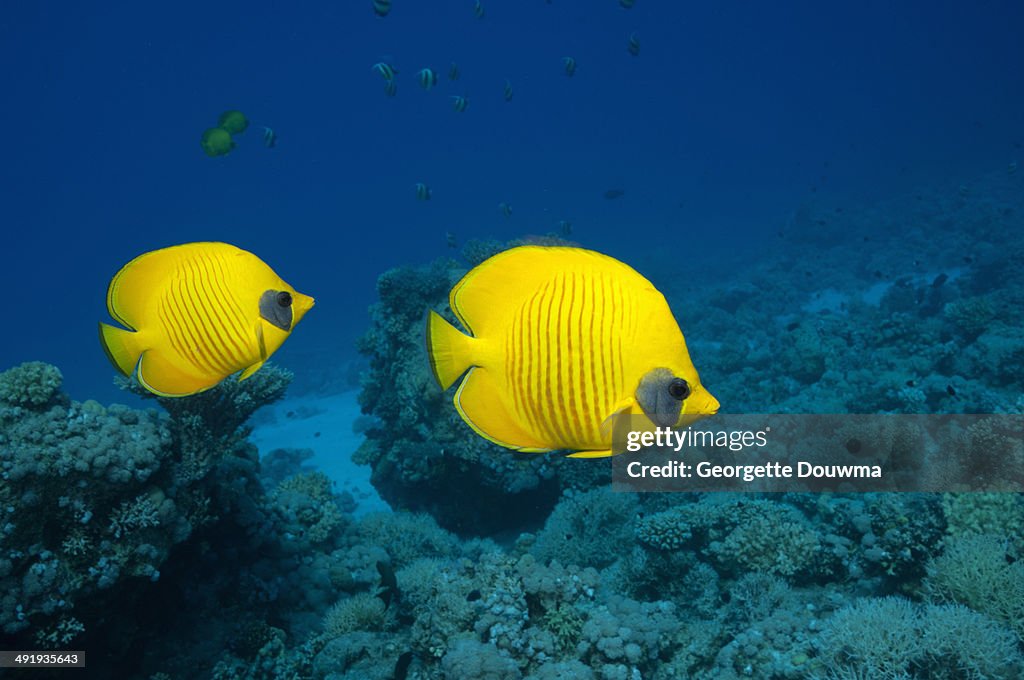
point(284, 299)
point(679, 389)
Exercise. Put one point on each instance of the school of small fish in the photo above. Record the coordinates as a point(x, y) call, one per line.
point(428, 79)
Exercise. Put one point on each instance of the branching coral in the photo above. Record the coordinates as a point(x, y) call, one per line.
point(891, 638)
point(976, 571)
point(211, 424)
point(362, 611)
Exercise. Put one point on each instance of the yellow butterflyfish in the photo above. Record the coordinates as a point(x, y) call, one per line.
point(195, 314)
point(559, 340)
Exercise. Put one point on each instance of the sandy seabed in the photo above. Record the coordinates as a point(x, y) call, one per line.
point(322, 424)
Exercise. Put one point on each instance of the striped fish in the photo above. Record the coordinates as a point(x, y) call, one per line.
point(569, 64)
point(459, 103)
point(427, 78)
point(633, 46)
point(381, 7)
point(558, 340)
point(386, 70)
point(196, 313)
point(508, 90)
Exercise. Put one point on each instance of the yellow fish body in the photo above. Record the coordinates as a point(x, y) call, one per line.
point(560, 339)
point(195, 314)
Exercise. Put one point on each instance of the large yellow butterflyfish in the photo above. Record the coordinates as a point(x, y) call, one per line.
point(195, 314)
point(561, 339)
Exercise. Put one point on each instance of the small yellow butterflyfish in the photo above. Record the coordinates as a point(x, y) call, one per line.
point(558, 341)
point(196, 313)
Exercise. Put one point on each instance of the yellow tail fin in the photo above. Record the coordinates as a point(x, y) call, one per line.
point(449, 349)
point(121, 346)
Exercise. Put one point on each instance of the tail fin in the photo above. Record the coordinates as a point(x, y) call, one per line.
point(121, 346)
point(449, 349)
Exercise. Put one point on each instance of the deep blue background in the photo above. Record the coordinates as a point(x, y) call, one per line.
point(730, 116)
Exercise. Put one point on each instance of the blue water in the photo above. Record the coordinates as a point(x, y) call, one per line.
point(827, 194)
point(731, 115)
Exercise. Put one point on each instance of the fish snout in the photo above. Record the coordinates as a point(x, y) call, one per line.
point(701, 402)
point(300, 305)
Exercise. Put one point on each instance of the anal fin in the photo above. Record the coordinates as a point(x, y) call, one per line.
point(590, 454)
point(162, 377)
point(478, 402)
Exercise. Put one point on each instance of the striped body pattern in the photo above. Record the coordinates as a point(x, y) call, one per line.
point(196, 313)
point(566, 350)
point(203, 315)
point(558, 339)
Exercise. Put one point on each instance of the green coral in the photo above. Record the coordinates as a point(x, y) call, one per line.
point(769, 544)
point(31, 385)
point(61, 633)
point(996, 514)
point(565, 623)
point(669, 530)
point(361, 612)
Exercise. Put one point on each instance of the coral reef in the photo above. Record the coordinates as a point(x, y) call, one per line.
point(738, 536)
point(85, 506)
point(107, 508)
point(116, 523)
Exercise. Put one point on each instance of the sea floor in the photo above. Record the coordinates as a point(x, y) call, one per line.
point(322, 424)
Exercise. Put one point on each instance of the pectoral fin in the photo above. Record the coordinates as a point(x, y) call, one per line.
point(623, 408)
point(249, 371)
